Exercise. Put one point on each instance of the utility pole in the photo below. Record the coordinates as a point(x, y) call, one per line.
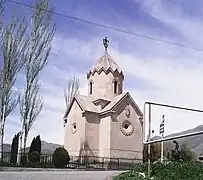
point(149, 145)
point(162, 150)
point(161, 131)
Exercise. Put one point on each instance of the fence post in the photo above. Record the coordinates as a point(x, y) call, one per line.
point(103, 163)
point(149, 145)
point(40, 160)
point(85, 161)
point(45, 164)
point(21, 158)
point(118, 164)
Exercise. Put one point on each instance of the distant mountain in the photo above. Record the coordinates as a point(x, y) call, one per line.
point(154, 138)
point(47, 148)
point(195, 143)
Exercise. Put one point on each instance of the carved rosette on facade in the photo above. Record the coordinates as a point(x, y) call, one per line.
point(127, 126)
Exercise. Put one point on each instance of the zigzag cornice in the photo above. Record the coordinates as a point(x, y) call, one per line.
point(106, 71)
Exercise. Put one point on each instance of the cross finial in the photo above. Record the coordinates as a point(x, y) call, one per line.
point(105, 43)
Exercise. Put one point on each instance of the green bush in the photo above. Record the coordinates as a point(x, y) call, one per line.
point(170, 171)
point(34, 156)
point(176, 171)
point(60, 157)
point(186, 153)
point(14, 149)
point(6, 164)
point(131, 175)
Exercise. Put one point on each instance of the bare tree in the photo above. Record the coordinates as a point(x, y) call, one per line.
point(14, 41)
point(71, 90)
point(1, 19)
point(1, 37)
point(35, 105)
point(42, 32)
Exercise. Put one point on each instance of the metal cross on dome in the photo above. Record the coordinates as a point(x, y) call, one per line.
point(105, 43)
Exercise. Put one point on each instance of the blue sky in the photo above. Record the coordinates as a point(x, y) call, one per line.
point(153, 71)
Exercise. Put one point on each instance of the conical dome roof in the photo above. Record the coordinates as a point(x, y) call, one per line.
point(105, 63)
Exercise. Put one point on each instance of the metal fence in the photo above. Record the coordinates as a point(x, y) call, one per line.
point(149, 141)
point(82, 162)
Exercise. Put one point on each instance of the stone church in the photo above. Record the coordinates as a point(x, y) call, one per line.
point(107, 122)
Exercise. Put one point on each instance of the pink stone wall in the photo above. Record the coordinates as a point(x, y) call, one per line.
point(104, 136)
point(92, 123)
point(103, 86)
point(122, 145)
point(74, 142)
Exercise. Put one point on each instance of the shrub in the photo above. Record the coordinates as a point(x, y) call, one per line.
point(169, 171)
point(6, 164)
point(60, 157)
point(35, 144)
point(34, 156)
point(38, 144)
point(155, 151)
point(32, 146)
point(186, 154)
point(176, 171)
point(131, 175)
point(14, 149)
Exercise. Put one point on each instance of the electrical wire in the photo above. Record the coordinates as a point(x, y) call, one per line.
point(112, 28)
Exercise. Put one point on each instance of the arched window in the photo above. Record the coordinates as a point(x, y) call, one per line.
point(115, 87)
point(91, 87)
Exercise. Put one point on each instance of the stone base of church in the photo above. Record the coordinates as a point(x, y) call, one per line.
point(85, 152)
point(108, 153)
point(113, 159)
point(126, 154)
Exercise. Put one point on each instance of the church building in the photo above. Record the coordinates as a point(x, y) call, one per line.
point(107, 122)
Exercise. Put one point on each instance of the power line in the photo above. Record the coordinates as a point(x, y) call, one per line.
point(112, 28)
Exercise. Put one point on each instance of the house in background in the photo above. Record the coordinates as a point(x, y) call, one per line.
point(107, 122)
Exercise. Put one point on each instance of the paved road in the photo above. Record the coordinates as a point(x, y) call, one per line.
point(69, 175)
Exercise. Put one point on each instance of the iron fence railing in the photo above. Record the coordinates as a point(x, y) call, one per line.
point(81, 162)
point(148, 123)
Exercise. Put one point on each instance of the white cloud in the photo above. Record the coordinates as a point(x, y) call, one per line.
point(70, 47)
point(188, 26)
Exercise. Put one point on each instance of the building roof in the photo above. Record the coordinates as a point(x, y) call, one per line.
point(105, 63)
point(113, 102)
point(86, 104)
point(116, 101)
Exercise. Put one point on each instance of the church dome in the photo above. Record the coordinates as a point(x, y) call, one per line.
point(107, 64)
point(105, 78)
